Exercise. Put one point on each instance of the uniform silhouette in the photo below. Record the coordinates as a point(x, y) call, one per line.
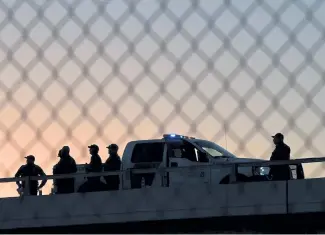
point(93, 184)
point(113, 163)
point(30, 169)
point(66, 165)
point(280, 153)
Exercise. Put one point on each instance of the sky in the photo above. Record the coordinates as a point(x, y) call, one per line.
point(233, 72)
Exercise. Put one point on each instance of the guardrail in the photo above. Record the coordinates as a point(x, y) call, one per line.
point(232, 165)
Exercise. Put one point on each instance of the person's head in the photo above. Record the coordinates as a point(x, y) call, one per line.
point(278, 138)
point(65, 151)
point(30, 160)
point(93, 149)
point(60, 153)
point(112, 149)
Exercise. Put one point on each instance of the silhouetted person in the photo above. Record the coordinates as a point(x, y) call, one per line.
point(280, 153)
point(66, 165)
point(30, 169)
point(95, 166)
point(113, 163)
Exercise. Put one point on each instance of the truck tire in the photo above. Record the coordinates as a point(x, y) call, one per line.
point(240, 178)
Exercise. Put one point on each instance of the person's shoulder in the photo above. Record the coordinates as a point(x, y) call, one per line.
point(287, 146)
point(22, 167)
point(98, 157)
point(38, 168)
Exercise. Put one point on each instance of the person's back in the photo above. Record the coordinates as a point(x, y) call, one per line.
point(113, 163)
point(66, 165)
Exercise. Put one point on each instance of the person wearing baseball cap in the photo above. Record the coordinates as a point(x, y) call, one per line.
point(95, 164)
point(113, 163)
point(93, 184)
point(93, 148)
point(280, 153)
point(30, 169)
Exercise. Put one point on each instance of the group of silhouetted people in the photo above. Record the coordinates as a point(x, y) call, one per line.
point(67, 165)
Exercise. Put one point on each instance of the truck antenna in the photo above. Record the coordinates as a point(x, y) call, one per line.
point(225, 132)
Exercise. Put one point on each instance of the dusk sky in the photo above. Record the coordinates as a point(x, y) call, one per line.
point(81, 72)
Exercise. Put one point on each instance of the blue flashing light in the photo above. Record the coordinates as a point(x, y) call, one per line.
point(176, 136)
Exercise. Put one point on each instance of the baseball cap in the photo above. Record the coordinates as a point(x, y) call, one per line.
point(112, 146)
point(278, 135)
point(93, 146)
point(31, 157)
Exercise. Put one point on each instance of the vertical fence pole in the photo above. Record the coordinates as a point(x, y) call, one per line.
point(27, 186)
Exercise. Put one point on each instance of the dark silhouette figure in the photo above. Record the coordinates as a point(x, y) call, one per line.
point(93, 184)
point(113, 163)
point(30, 169)
point(280, 153)
point(66, 165)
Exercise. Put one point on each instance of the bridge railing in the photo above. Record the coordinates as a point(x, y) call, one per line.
point(233, 167)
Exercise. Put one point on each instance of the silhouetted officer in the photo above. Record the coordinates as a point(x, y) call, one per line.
point(30, 169)
point(93, 183)
point(280, 153)
point(95, 164)
point(113, 163)
point(66, 165)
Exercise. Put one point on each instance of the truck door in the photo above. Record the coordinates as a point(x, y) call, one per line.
point(188, 165)
point(146, 156)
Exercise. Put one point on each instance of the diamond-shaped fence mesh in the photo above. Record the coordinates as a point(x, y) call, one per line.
point(234, 72)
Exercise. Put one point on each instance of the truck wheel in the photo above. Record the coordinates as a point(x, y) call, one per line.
point(240, 178)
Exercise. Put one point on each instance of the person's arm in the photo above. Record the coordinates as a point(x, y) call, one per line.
point(41, 173)
point(17, 175)
point(275, 155)
point(74, 167)
point(89, 167)
point(96, 164)
point(99, 164)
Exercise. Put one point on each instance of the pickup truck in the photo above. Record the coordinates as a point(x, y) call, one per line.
point(177, 151)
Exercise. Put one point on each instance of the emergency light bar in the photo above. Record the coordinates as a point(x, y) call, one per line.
point(176, 136)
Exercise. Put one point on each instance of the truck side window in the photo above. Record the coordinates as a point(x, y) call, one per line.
point(184, 150)
point(146, 155)
point(148, 152)
point(189, 152)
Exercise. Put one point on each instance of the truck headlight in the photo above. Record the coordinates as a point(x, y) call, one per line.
point(260, 170)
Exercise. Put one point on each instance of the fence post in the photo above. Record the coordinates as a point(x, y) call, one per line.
point(27, 186)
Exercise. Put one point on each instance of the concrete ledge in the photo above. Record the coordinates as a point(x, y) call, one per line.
point(139, 205)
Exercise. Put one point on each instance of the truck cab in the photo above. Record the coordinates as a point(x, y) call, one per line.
point(178, 151)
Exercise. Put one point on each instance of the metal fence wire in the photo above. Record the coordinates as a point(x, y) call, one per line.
point(234, 72)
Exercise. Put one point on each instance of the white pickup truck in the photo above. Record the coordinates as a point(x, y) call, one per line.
point(177, 151)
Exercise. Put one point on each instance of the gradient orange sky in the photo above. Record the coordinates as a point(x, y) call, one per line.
point(87, 97)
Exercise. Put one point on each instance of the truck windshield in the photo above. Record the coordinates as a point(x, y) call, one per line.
point(213, 149)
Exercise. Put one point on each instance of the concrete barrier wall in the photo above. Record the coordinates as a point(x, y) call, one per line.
point(143, 205)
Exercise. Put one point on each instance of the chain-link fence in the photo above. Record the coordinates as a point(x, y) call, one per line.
point(234, 72)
